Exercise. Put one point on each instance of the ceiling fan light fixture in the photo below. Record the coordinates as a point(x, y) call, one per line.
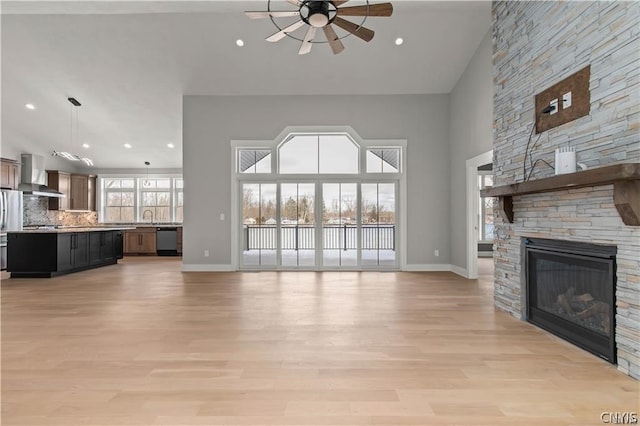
point(318, 20)
point(323, 14)
point(318, 13)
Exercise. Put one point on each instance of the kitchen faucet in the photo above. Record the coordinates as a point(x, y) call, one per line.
point(145, 212)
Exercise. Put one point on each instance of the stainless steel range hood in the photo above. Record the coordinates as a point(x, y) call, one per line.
point(33, 177)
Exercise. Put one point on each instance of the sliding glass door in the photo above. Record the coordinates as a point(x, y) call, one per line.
point(319, 225)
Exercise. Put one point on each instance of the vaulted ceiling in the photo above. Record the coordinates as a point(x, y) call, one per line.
point(129, 63)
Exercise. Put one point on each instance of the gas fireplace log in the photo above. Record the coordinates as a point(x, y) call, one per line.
point(564, 300)
point(587, 297)
point(597, 308)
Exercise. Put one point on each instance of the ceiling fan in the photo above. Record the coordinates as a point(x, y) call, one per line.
point(321, 14)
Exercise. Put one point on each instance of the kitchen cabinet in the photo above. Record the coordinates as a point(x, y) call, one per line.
point(50, 253)
point(60, 181)
point(9, 174)
point(73, 251)
point(140, 241)
point(101, 247)
point(118, 244)
point(79, 191)
point(92, 193)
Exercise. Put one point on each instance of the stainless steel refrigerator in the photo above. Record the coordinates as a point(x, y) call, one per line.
point(10, 219)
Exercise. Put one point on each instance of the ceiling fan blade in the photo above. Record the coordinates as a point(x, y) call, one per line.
point(306, 43)
point(362, 32)
point(283, 33)
point(295, 2)
point(380, 9)
point(332, 38)
point(279, 14)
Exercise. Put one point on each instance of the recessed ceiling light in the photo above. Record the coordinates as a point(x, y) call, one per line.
point(30, 106)
point(170, 145)
point(239, 42)
point(127, 145)
point(85, 145)
point(399, 41)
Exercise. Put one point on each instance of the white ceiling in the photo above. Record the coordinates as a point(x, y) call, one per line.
point(129, 63)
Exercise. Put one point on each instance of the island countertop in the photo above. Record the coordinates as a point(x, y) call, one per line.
point(69, 230)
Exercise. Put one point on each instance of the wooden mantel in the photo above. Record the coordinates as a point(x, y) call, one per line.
point(624, 177)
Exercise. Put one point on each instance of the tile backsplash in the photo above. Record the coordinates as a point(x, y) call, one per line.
point(36, 212)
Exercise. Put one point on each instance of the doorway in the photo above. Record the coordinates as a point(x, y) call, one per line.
point(353, 227)
point(318, 200)
point(473, 207)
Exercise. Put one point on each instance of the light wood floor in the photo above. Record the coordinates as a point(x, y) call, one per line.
point(141, 343)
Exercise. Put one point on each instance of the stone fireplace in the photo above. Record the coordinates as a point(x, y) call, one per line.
point(585, 218)
point(536, 45)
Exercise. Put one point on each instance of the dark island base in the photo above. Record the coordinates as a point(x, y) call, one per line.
point(58, 273)
point(50, 254)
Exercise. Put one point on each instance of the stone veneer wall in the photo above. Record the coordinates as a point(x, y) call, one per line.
point(537, 44)
point(36, 212)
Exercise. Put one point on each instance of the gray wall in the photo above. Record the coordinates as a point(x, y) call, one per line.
point(211, 122)
point(471, 134)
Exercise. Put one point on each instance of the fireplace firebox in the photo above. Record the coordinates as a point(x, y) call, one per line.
point(570, 292)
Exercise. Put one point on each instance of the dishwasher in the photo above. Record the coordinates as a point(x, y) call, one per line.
point(167, 241)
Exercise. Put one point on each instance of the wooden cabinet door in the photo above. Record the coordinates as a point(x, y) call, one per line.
point(9, 175)
point(60, 181)
point(148, 243)
point(179, 240)
point(92, 193)
point(131, 242)
point(79, 192)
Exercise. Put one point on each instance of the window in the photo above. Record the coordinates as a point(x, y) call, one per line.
point(486, 210)
point(155, 203)
point(134, 199)
point(179, 200)
point(254, 161)
point(119, 196)
point(319, 154)
point(383, 160)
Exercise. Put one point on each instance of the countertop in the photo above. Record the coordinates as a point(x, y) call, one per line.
point(147, 225)
point(72, 230)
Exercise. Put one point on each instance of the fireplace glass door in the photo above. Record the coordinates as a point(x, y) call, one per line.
point(570, 292)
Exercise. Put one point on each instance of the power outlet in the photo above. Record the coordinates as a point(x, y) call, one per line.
point(206, 253)
point(436, 252)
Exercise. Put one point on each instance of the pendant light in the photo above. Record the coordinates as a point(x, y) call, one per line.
point(73, 128)
point(146, 183)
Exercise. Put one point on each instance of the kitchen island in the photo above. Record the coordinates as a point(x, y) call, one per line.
point(46, 253)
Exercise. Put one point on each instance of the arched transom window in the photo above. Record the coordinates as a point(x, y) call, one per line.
point(319, 153)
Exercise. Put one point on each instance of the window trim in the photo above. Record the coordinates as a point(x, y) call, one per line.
point(101, 201)
point(482, 174)
point(238, 178)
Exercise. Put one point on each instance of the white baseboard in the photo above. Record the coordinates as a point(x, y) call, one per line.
point(207, 268)
point(425, 267)
point(459, 271)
